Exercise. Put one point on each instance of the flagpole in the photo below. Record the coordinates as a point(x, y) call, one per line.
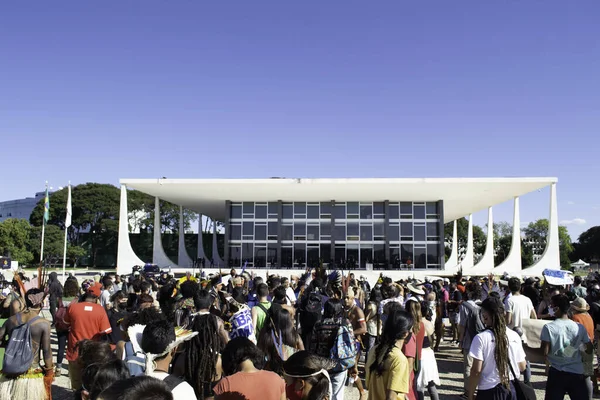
point(40, 278)
point(67, 225)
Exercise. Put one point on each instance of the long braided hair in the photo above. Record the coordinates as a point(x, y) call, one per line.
point(397, 326)
point(202, 354)
point(495, 309)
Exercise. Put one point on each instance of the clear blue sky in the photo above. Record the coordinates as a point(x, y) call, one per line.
point(97, 91)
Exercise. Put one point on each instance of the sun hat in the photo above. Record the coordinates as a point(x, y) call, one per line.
point(415, 288)
point(579, 304)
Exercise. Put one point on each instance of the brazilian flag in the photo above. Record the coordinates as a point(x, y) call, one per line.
point(46, 207)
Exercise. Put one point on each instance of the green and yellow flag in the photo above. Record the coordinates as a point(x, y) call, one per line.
point(46, 207)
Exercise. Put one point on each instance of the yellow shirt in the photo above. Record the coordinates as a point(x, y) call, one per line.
point(396, 375)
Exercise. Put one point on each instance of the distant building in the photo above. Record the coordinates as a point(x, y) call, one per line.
point(20, 208)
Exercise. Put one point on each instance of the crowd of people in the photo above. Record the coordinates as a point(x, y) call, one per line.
point(239, 336)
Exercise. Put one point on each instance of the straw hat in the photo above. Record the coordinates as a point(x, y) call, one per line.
point(414, 288)
point(579, 304)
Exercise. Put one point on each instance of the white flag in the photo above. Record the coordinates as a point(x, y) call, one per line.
point(68, 218)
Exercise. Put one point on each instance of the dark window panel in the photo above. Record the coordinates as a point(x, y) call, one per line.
point(248, 252)
point(340, 254)
point(260, 257)
point(406, 208)
point(273, 208)
point(261, 212)
point(325, 229)
point(236, 211)
point(394, 233)
point(419, 233)
point(420, 257)
point(366, 233)
point(419, 212)
point(433, 229)
point(235, 256)
point(394, 257)
point(287, 232)
point(272, 227)
point(272, 255)
point(288, 211)
point(325, 252)
point(299, 208)
point(287, 257)
point(339, 211)
point(394, 211)
point(406, 253)
point(299, 253)
point(325, 209)
point(248, 228)
point(366, 212)
point(352, 256)
point(339, 232)
point(432, 208)
point(378, 229)
point(312, 212)
point(352, 207)
point(433, 252)
point(379, 254)
point(406, 230)
point(260, 232)
point(248, 207)
point(312, 232)
point(299, 228)
point(352, 229)
point(366, 256)
point(312, 257)
point(378, 208)
point(235, 232)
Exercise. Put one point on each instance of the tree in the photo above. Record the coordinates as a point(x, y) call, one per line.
point(536, 233)
point(588, 245)
point(95, 209)
point(141, 209)
point(14, 236)
point(54, 238)
point(502, 241)
point(462, 233)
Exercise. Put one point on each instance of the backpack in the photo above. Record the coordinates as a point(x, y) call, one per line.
point(173, 381)
point(136, 362)
point(344, 349)
point(311, 312)
point(19, 353)
point(474, 324)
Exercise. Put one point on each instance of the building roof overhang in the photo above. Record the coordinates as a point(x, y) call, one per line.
point(461, 196)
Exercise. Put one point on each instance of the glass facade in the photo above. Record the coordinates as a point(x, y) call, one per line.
point(379, 235)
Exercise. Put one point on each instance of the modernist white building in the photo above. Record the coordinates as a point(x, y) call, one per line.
point(371, 225)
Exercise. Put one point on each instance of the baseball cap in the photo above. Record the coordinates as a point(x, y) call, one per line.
point(95, 289)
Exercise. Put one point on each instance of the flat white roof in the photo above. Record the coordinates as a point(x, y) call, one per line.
point(461, 196)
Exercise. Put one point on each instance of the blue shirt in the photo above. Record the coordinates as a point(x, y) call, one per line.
point(565, 338)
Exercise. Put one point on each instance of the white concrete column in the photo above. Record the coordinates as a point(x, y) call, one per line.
point(215, 249)
point(550, 259)
point(126, 257)
point(453, 259)
point(468, 260)
point(183, 259)
point(512, 263)
point(200, 252)
point(158, 253)
point(486, 264)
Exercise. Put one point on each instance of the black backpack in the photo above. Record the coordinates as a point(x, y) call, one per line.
point(311, 312)
point(474, 324)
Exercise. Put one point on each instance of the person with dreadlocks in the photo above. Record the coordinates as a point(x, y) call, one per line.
point(497, 356)
point(202, 359)
point(387, 368)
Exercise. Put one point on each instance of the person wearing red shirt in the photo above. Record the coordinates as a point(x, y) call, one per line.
point(88, 320)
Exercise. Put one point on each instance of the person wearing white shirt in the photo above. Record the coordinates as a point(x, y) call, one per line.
point(497, 353)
